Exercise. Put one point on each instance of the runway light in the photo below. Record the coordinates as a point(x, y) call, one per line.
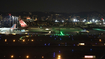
point(59, 57)
point(48, 44)
point(12, 56)
point(90, 49)
point(13, 33)
point(72, 50)
point(60, 39)
point(45, 44)
point(42, 56)
point(82, 44)
point(5, 40)
point(27, 35)
point(50, 36)
point(73, 44)
point(100, 40)
point(54, 54)
point(46, 29)
point(14, 40)
point(89, 56)
point(58, 44)
point(32, 40)
point(23, 40)
point(27, 56)
point(59, 51)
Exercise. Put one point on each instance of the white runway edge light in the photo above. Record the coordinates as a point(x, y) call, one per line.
point(12, 56)
point(27, 56)
point(89, 56)
point(46, 29)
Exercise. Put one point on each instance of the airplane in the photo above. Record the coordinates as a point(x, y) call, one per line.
point(22, 23)
point(7, 30)
point(25, 27)
point(84, 31)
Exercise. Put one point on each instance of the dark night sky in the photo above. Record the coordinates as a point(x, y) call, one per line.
point(68, 6)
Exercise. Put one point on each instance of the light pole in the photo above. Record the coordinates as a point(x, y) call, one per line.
point(17, 20)
point(13, 19)
point(10, 19)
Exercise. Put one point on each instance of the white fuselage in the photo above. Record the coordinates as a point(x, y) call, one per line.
point(5, 30)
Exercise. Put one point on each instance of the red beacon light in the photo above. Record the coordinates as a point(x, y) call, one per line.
point(101, 18)
point(9, 14)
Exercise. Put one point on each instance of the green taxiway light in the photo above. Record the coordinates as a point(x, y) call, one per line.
point(61, 33)
point(98, 29)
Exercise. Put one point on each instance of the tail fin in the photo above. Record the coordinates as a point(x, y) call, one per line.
point(14, 26)
point(22, 23)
